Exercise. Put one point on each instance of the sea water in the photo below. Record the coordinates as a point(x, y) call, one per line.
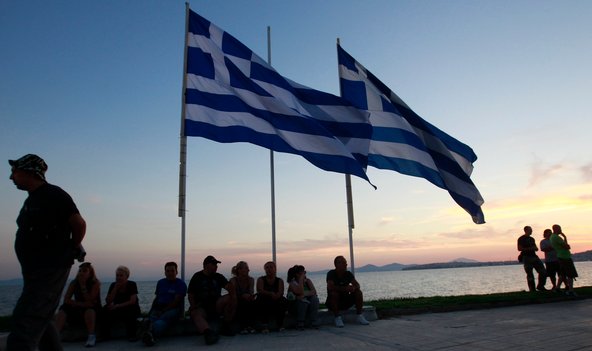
point(383, 285)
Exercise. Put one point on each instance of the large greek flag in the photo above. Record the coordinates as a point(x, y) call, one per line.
point(232, 95)
point(404, 142)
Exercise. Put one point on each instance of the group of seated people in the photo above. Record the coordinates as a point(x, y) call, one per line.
point(82, 303)
point(248, 305)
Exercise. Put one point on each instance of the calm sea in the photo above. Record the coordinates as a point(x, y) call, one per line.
point(384, 285)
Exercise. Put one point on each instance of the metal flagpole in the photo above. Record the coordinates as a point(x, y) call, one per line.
point(183, 149)
point(350, 221)
point(271, 168)
point(350, 207)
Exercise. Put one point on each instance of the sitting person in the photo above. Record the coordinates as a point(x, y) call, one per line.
point(302, 298)
point(245, 296)
point(167, 306)
point(343, 291)
point(206, 302)
point(121, 304)
point(82, 302)
point(270, 298)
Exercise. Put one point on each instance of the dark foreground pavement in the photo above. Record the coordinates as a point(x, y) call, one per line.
point(552, 326)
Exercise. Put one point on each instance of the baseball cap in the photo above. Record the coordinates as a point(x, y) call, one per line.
point(31, 163)
point(210, 259)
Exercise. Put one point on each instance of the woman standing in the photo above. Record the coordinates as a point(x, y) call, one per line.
point(82, 302)
point(121, 304)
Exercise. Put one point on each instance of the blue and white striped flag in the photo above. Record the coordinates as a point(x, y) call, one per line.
point(404, 142)
point(232, 95)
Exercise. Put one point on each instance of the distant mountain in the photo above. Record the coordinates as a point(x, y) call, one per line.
point(388, 267)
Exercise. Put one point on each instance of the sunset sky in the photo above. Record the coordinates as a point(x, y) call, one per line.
point(94, 87)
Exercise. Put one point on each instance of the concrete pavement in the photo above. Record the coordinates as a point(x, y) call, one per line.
point(561, 326)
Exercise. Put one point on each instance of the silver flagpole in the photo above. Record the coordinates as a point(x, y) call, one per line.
point(350, 207)
point(183, 149)
point(350, 220)
point(271, 168)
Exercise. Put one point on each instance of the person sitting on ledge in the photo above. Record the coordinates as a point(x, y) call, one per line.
point(206, 302)
point(82, 302)
point(167, 306)
point(343, 291)
point(121, 305)
point(270, 298)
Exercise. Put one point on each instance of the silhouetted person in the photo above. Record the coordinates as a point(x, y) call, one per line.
point(567, 269)
point(530, 260)
point(50, 230)
point(343, 291)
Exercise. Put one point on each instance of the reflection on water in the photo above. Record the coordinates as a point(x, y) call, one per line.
point(384, 285)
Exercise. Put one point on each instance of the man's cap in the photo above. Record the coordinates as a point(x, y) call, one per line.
point(31, 163)
point(210, 259)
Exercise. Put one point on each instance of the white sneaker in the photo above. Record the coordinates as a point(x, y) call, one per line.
point(362, 320)
point(339, 322)
point(91, 341)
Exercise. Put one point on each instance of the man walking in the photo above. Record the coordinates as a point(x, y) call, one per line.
point(50, 230)
point(527, 247)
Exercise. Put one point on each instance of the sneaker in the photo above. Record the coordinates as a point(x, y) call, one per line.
point(148, 339)
point(210, 337)
point(339, 322)
point(362, 320)
point(91, 340)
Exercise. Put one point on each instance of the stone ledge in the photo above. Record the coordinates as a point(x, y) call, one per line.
point(186, 327)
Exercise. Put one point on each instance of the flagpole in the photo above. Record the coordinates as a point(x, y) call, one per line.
point(183, 149)
point(271, 168)
point(350, 205)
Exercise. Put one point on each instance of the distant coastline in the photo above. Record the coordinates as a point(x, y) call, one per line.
point(457, 263)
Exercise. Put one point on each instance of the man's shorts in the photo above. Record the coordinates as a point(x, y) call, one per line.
point(567, 268)
point(552, 268)
point(346, 301)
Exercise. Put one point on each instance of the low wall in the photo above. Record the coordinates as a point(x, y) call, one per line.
point(186, 327)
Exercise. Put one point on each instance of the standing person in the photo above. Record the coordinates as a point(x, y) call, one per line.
point(50, 230)
point(270, 298)
point(551, 261)
point(567, 268)
point(167, 306)
point(82, 302)
point(343, 291)
point(206, 302)
point(530, 260)
point(245, 297)
point(121, 304)
point(302, 298)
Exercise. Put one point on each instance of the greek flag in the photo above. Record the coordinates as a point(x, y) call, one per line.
point(404, 142)
point(232, 95)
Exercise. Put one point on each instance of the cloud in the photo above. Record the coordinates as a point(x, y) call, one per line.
point(541, 172)
point(385, 220)
point(471, 234)
point(586, 171)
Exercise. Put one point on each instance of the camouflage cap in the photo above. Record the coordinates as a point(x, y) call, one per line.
point(31, 163)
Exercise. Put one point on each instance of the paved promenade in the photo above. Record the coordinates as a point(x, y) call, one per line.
point(529, 327)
